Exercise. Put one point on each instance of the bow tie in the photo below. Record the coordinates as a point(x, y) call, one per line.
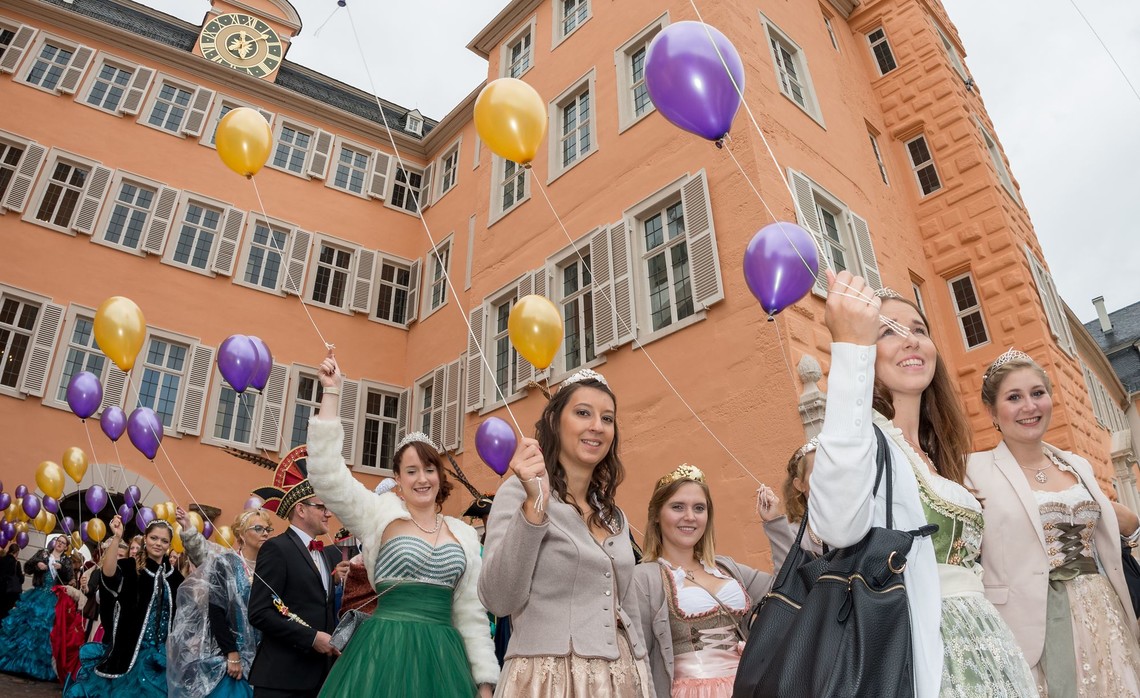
point(317, 545)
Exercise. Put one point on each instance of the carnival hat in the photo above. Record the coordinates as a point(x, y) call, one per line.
point(290, 484)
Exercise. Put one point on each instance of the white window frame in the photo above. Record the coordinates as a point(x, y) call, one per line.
point(138, 83)
point(401, 395)
point(422, 196)
point(38, 340)
point(214, 117)
point(491, 399)
point(446, 248)
point(411, 300)
point(478, 155)
point(623, 60)
point(136, 375)
point(635, 219)
point(573, 253)
point(505, 62)
point(961, 313)
point(185, 200)
point(289, 418)
point(1051, 303)
point(872, 43)
point(414, 122)
point(917, 167)
point(827, 17)
point(952, 53)
point(40, 189)
point(877, 151)
point(998, 160)
point(497, 212)
point(353, 249)
point(334, 159)
point(775, 35)
point(283, 122)
point(453, 151)
point(420, 408)
point(916, 289)
point(79, 60)
point(558, 15)
point(253, 220)
point(213, 403)
point(112, 200)
point(63, 349)
point(156, 88)
point(583, 85)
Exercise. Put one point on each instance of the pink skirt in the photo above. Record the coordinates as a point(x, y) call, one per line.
point(707, 673)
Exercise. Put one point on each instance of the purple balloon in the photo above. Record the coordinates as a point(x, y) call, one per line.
point(31, 505)
point(21, 491)
point(780, 265)
point(132, 496)
point(237, 360)
point(687, 79)
point(207, 528)
point(51, 504)
point(5, 500)
point(8, 529)
point(113, 422)
point(96, 498)
point(22, 539)
point(264, 364)
point(145, 430)
point(495, 441)
point(68, 524)
point(83, 532)
point(84, 394)
point(126, 513)
point(143, 518)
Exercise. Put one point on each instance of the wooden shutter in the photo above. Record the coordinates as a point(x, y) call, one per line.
point(452, 411)
point(165, 201)
point(15, 51)
point(294, 280)
point(868, 261)
point(199, 108)
point(50, 321)
point(704, 263)
point(75, 69)
point(21, 184)
point(349, 404)
point(319, 157)
point(363, 274)
point(425, 197)
point(602, 287)
point(378, 178)
point(809, 220)
point(228, 241)
point(402, 416)
point(540, 288)
point(524, 370)
point(273, 408)
point(114, 387)
point(474, 400)
point(189, 419)
point(133, 99)
point(414, 293)
point(94, 192)
point(439, 378)
point(622, 270)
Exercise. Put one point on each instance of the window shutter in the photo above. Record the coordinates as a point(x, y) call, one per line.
point(869, 262)
point(452, 412)
point(378, 178)
point(524, 370)
point(199, 108)
point(133, 99)
point(165, 201)
point(43, 347)
point(273, 408)
point(474, 401)
point(21, 184)
point(362, 281)
point(540, 287)
point(93, 194)
point(402, 416)
point(228, 241)
point(349, 399)
point(602, 273)
point(622, 270)
point(298, 253)
point(189, 419)
point(809, 221)
point(319, 157)
point(704, 264)
point(1058, 325)
point(75, 69)
point(15, 51)
point(438, 386)
point(114, 387)
point(425, 197)
point(414, 292)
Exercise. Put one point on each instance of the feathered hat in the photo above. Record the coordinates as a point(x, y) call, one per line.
point(290, 484)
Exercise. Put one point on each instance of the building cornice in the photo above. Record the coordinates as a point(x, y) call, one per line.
point(497, 29)
point(844, 7)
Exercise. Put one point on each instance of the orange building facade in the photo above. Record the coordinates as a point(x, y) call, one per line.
point(110, 186)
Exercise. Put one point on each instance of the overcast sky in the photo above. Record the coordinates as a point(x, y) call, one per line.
point(1068, 121)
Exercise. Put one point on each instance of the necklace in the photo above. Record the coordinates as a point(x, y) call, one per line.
point(438, 523)
point(917, 448)
point(1039, 473)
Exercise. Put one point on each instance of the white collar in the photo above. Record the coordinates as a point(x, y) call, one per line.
point(305, 537)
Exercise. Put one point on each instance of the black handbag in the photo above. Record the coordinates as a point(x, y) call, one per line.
point(838, 625)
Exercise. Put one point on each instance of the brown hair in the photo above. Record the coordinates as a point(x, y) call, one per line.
point(608, 473)
point(703, 549)
point(795, 501)
point(992, 380)
point(943, 431)
point(428, 456)
point(140, 556)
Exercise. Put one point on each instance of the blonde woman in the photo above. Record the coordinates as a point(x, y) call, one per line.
point(781, 529)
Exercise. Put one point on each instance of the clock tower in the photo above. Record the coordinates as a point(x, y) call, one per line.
point(248, 36)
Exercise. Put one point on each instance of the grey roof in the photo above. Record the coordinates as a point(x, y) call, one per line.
point(182, 35)
point(1120, 344)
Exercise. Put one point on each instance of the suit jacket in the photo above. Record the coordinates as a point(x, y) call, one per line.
point(286, 659)
point(1013, 544)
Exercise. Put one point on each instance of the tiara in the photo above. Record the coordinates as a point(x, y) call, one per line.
point(413, 437)
point(1010, 355)
point(160, 522)
point(586, 374)
point(386, 485)
point(683, 472)
point(807, 448)
point(887, 293)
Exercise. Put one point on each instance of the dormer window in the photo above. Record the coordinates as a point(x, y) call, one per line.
point(414, 123)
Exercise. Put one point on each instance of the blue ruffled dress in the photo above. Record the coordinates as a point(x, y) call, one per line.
point(25, 636)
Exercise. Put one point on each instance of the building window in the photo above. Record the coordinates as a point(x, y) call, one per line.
point(171, 104)
point(577, 312)
point(449, 170)
point(575, 125)
point(128, 220)
point(969, 311)
point(520, 54)
point(424, 411)
point(330, 282)
point(381, 413)
point(641, 102)
point(922, 163)
point(395, 284)
point(504, 358)
point(843, 238)
point(200, 226)
point(440, 262)
point(49, 65)
point(574, 13)
point(6, 37)
point(414, 124)
point(163, 371)
point(263, 261)
point(952, 53)
point(791, 70)
point(666, 261)
point(878, 157)
point(17, 322)
point(292, 149)
point(407, 189)
point(9, 160)
point(837, 250)
point(108, 88)
point(918, 297)
point(1052, 304)
point(629, 59)
point(999, 162)
point(881, 50)
point(512, 188)
point(307, 399)
point(351, 169)
point(61, 197)
point(831, 32)
point(233, 421)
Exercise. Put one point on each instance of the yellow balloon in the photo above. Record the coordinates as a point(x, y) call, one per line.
point(76, 540)
point(224, 535)
point(75, 464)
point(96, 530)
point(120, 329)
point(49, 477)
point(171, 510)
point(10, 513)
point(22, 527)
point(40, 520)
point(159, 511)
point(196, 521)
point(244, 140)
point(510, 117)
point(176, 541)
point(535, 329)
point(45, 522)
point(22, 515)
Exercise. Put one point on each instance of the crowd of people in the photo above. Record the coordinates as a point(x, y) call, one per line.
point(1018, 583)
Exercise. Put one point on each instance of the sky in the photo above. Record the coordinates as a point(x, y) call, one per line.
point(1068, 120)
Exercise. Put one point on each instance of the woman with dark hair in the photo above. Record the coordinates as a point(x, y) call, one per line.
point(693, 602)
point(25, 635)
point(428, 623)
point(558, 556)
point(887, 373)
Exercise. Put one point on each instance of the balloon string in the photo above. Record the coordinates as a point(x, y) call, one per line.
point(1103, 45)
point(629, 330)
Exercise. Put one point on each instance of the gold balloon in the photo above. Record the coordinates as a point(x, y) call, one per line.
point(22, 527)
point(96, 530)
point(224, 535)
point(49, 477)
point(10, 513)
point(120, 329)
point(535, 329)
point(22, 515)
point(176, 541)
point(40, 520)
point(171, 510)
point(196, 521)
point(159, 511)
point(47, 524)
point(244, 140)
point(75, 464)
point(510, 117)
point(76, 540)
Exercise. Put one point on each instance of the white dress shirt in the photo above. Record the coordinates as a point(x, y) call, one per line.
point(318, 557)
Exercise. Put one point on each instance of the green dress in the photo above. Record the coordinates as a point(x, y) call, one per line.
point(408, 647)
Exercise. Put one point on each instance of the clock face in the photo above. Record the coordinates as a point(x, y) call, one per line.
point(243, 43)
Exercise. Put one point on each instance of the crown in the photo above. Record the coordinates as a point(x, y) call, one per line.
point(586, 374)
point(1010, 355)
point(683, 472)
point(807, 448)
point(415, 436)
point(887, 292)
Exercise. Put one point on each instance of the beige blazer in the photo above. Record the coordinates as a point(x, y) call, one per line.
point(1013, 544)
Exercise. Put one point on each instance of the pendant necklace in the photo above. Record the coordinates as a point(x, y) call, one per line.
point(1039, 473)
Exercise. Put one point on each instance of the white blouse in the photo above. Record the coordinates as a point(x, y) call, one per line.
point(694, 599)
